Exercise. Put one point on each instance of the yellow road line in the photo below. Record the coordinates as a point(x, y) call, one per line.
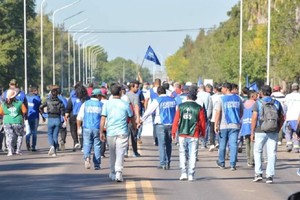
point(148, 190)
point(131, 190)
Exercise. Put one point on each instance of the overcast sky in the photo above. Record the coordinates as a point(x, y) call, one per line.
point(139, 15)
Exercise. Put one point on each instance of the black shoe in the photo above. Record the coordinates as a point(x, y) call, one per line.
point(33, 150)
point(240, 150)
point(168, 166)
point(257, 178)
point(269, 180)
point(220, 165)
point(28, 146)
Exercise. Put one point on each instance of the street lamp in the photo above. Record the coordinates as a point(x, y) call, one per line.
point(85, 45)
point(94, 63)
point(53, 35)
point(269, 38)
point(69, 50)
point(62, 82)
point(79, 52)
point(241, 46)
point(25, 45)
point(74, 53)
point(42, 50)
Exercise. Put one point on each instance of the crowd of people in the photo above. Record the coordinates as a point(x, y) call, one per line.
point(213, 117)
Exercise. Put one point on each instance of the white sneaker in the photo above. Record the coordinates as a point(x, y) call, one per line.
point(54, 155)
point(119, 177)
point(9, 154)
point(112, 176)
point(279, 143)
point(87, 163)
point(191, 178)
point(77, 146)
point(51, 151)
point(183, 177)
point(211, 148)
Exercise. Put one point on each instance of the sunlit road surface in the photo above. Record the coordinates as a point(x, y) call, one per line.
point(35, 175)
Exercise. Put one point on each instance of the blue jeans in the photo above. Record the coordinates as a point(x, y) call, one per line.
point(164, 137)
point(188, 148)
point(271, 140)
point(91, 137)
point(229, 136)
point(53, 129)
point(33, 124)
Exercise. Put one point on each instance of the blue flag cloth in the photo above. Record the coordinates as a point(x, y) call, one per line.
point(150, 55)
point(253, 86)
point(199, 81)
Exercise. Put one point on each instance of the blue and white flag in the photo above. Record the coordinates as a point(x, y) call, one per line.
point(150, 55)
point(254, 87)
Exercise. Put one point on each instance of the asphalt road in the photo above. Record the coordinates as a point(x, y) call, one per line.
point(35, 175)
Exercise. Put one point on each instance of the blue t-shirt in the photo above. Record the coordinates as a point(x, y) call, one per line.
point(116, 111)
point(34, 102)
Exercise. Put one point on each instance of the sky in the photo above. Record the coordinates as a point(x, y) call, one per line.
point(138, 15)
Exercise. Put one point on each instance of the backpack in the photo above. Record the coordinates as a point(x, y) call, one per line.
point(269, 117)
point(53, 106)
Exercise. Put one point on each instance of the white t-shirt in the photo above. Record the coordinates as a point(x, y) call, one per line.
point(292, 104)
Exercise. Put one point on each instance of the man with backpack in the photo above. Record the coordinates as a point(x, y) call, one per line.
point(267, 119)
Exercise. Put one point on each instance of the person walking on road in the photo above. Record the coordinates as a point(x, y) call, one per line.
point(13, 112)
point(76, 99)
point(246, 126)
point(116, 112)
point(133, 99)
point(190, 121)
point(63, 128)
point(267, 118)
point(292, 103)
point(164, 107)
point(89, 118)
point(34, 102)
point(229, 111)
point(55, 109)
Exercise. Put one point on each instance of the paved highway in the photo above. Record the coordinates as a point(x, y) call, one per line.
point(35, 175)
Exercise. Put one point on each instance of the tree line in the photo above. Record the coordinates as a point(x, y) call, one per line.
point(215, 53)
point(12, 51)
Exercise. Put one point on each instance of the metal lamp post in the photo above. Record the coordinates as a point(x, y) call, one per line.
point(53, 36)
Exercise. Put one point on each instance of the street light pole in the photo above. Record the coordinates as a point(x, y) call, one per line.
point(241, 46)
point(74, 53)
point(85, 46)
point(79, 52)
point(62, 82)
point(268, 47)
point(69, 52)
point(25, 45)
point(53, 36)
point(42, 49)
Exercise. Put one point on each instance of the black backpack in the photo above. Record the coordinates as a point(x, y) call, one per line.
point(269, 117)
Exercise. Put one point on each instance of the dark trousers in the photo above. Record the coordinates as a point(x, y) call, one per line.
point(103, 145)
point(212, 134)
point(63, 134)
point(2, 140)
point(133, 135)
point(73, 128)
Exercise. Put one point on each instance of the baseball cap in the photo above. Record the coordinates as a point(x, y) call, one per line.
point(96, 92)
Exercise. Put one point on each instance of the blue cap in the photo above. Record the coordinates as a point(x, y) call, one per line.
point(96, 92)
